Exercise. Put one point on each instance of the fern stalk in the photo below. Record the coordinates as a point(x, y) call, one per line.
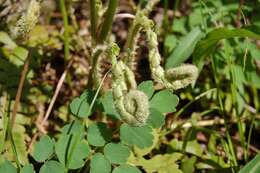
point(66, 29)
point(107, 21)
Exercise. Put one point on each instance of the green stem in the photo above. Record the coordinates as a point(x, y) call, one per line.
point(93, 19)
point(108, 21)
point(66, 29)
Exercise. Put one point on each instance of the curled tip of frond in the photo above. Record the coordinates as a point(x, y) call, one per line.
point(182, 76)
point(136, 104)
point(28, 20)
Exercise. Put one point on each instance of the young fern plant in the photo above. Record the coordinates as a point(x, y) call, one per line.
point(138, 106)
point(133, 105)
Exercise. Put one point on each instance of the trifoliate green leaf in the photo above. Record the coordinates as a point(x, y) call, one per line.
point(164, 101)
point(147, 88)
point(116, 153)
point(99, 164)
point(140, 136)
point(7, 167)
point(74, 127)
point(27, 169)
point(52, 167)
point(43, 149)
point(156, 118)
point(72, 150)
point(108, 105)
point(80, 106)
point(98, 134)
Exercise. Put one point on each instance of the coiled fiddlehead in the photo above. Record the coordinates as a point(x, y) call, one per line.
point(131, 104)
point(174, 78)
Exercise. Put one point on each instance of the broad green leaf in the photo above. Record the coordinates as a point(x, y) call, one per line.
point(126, 169)
point(116, 153)
point(99, 134)
point(52, 167)
point(99, 164)
point(207, 46)
point(43, 149)
point(27, 169)
point(156, 118)
point(72, 150)
point(253, 166)
point(147, 88)
point(164, 101)
point(184, 49)
point(139, 136)
point(108, 105)
point(7, 167)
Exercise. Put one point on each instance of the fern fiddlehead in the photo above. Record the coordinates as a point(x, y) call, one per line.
point(174, 78)
point(131, 104)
